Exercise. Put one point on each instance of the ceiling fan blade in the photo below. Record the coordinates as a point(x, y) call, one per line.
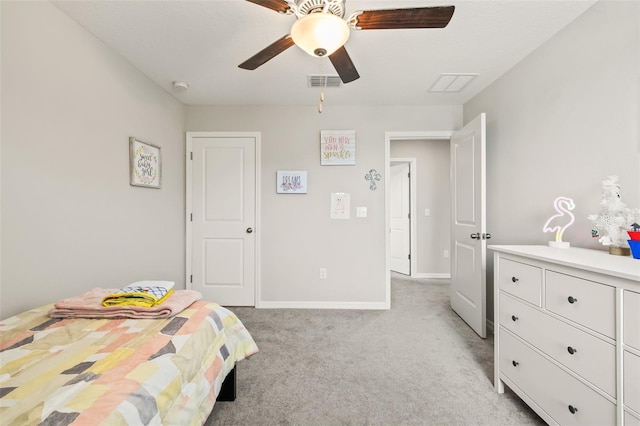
point(343, 64)
point(280, 6)
point(267, 53)
point(419, 17)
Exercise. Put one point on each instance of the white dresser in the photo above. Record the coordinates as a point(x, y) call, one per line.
point(567, 333)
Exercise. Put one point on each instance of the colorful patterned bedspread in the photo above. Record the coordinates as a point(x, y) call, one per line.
point(117, 371)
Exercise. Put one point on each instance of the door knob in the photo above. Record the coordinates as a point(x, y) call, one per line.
point(249, 230)
point(475, 236)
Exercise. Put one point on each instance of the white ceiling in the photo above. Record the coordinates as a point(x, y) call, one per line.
point(202, 43)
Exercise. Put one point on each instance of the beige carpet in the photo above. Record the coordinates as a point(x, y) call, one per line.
point(416, 364)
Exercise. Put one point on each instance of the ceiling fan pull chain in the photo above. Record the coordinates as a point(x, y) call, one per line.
point(324, 84)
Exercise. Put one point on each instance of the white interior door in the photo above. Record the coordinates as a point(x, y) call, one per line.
point(400, 232)
point(223, 234)
point(468, 251)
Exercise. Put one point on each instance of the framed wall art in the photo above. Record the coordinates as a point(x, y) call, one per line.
point(291, 182)
point(340, 205)
point(145, 164)
point(337, 147)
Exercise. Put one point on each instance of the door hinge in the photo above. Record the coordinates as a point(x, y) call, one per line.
point(190, 278)
point(191, 217)
point(409, 174)
point(409, 257)
point(191, 155)
point(408, 215)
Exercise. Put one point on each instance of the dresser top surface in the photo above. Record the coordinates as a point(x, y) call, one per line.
point(591, 260)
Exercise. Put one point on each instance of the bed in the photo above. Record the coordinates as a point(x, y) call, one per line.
point(80, 371)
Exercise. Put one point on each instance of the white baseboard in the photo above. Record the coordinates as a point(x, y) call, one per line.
point(430, 275)
point(322, 305)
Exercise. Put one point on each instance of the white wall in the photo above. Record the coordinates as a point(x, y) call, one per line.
point(561, 121)
point(432, 192)
point(298, 237)
point(70, 219)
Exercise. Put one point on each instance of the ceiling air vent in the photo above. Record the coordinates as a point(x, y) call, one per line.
point(452, 82)
point(323, 80)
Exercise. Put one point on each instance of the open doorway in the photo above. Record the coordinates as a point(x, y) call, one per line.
point(429, 234)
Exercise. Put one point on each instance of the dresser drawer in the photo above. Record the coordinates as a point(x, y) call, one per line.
point(521, 280)
point(631, 321)
point(586, 302)
point(631, 381)
point(553, 389)
point(575, 349)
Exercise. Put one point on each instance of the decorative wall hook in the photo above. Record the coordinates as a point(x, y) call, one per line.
point(372, 177)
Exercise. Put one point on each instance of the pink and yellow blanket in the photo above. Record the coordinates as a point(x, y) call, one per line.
point(89, 305)
point(79, 371)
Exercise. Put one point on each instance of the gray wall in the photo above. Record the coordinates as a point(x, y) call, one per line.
point(298, 237)
point(70, 219)
point(433, 233)
point(560, 122)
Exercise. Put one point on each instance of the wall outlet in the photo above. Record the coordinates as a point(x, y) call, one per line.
point(445, 254)
point(323, 273)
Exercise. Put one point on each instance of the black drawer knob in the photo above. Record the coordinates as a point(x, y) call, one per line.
point(515, 363)
point(572, 299)
point(573, 409)
point(514, 279)
point(571, 350)
point(514, 318)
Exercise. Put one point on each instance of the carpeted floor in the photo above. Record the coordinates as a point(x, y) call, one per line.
point(415, 364)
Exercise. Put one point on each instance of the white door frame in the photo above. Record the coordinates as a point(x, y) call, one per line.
point(189, 203)
point(388, 138)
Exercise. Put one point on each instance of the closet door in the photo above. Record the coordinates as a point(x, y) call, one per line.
point(223, 221)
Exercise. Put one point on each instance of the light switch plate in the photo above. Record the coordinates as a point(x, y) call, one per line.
point(361, 212)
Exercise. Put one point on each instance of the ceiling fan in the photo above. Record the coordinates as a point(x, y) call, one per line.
point(320, 29)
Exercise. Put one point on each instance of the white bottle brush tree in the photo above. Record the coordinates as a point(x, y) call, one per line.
point(614, 219)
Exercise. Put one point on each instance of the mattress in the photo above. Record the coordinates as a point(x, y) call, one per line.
point(117, 371)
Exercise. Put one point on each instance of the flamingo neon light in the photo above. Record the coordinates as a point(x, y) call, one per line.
point(563, 206)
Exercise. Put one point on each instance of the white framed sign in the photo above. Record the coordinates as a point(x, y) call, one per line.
point(340, 205)
point(145, 164)
point(291, 182)
point(337, 147)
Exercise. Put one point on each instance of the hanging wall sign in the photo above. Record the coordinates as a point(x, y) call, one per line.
point(291, 182)
point(340, 205)
point(337, 147)
point(145, 164)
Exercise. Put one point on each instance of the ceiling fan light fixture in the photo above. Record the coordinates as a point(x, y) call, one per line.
point(320, 34)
